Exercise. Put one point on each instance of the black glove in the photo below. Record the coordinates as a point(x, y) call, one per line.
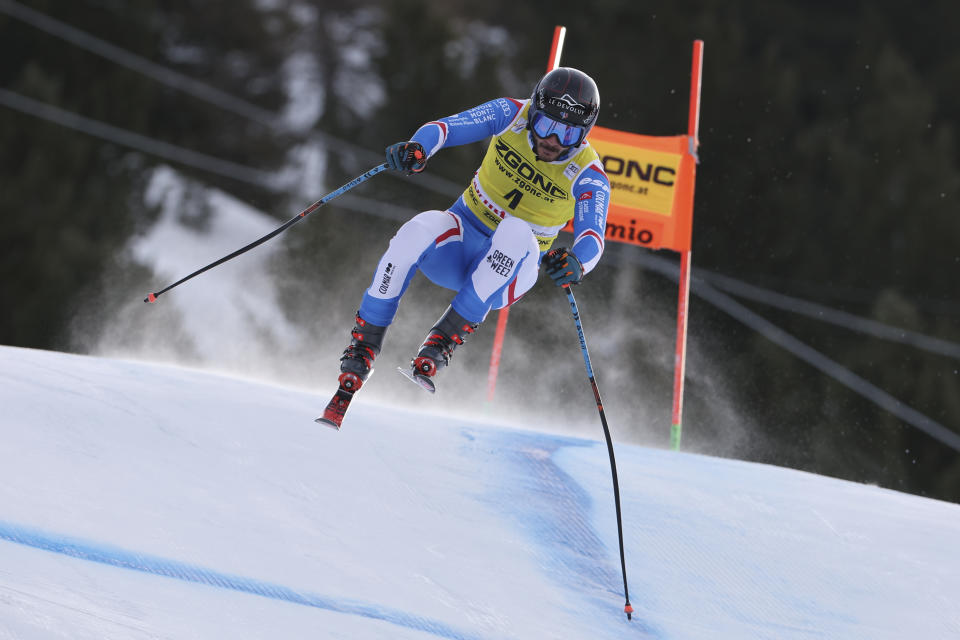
point(563, 266)
point(408, 157)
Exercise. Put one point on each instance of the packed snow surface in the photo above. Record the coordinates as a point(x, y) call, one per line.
point(146, 501)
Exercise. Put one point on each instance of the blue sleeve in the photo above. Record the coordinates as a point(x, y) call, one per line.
point(469, 126)
point(592, 195)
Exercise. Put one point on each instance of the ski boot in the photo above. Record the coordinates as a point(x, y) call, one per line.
point(356, 365)
point(437, 349)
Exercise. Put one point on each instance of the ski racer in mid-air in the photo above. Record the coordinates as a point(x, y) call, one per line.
point(539, 171)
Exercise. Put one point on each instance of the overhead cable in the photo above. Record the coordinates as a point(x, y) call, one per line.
point(833, 316)
point(200, 90)
point(137, 141)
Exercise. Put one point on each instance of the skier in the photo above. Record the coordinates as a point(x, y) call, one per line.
point(539, 171)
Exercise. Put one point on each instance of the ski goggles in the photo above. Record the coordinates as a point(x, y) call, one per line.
point(569, 135)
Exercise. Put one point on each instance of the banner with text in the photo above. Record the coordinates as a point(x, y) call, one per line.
point(651, 188)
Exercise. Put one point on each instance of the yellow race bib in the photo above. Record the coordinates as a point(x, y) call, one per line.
point(512, 181)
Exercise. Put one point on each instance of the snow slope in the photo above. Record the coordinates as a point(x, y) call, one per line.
point(146, 501)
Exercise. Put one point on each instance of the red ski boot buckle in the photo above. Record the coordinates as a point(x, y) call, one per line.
point(350, 381)
point(425, 366)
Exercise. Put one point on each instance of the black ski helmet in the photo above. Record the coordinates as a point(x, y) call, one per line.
point(567, 95)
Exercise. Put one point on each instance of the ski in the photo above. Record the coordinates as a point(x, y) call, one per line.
point(422, 381)
point(337, 407)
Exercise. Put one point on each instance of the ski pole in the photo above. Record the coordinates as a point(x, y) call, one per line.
point(606, 432)
point(152, 297)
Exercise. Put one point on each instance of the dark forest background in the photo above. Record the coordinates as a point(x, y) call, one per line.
point(829, 172)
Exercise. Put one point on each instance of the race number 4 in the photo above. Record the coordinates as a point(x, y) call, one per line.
point(514, 198)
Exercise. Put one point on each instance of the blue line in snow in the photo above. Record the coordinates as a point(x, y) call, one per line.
point(555, 510)
point(555, 513)
point(116, 557)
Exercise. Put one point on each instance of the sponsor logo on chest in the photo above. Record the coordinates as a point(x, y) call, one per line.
point(518, 167)
point(572, 170)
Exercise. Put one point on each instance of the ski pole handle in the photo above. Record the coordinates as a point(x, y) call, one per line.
point(152, 297)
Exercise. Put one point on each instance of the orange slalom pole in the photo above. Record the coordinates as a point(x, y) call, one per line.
point(559, 33)
point(496, 352)
point(680, 354)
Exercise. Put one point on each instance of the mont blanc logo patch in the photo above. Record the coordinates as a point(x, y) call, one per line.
point(501, 263)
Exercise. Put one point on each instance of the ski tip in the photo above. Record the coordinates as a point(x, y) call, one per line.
point(421, 381)
point(327, 423)
point(151, 298)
